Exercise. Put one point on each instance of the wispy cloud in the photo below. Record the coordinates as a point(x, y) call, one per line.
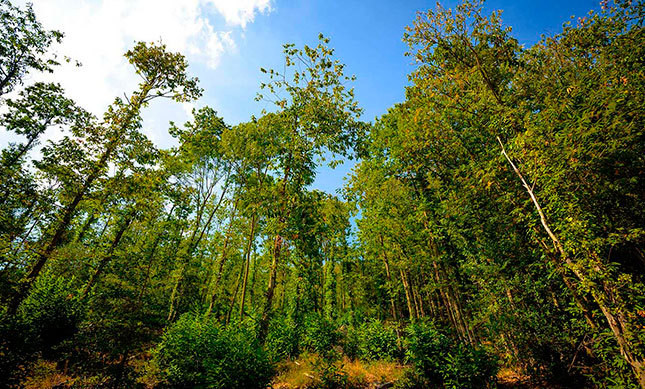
point(98, 32)
point(240, 12)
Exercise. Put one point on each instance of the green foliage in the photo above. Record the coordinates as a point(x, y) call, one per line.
point(351, 341)
point(319, 334)
point(373, 340)
point(51, 313)
point(328, 374)
point(23, 45)
point(506, 205)
point(618, 372)
point(411, 379)
point(164, 71)
point(282, 339)
point(378, 341)
point(439, 359)
point(198, 352)
point(43, 326)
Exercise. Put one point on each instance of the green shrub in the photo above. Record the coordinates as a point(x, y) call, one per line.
point(15, 353)
point(411, 379)
point(618, 373)
point(46, 319)
point(425, 349)
point(439, 359)
point(319, 334)
point(378, 341)
point(282, 339)
point(51, 313)
point(197, 352)
point(351, 341)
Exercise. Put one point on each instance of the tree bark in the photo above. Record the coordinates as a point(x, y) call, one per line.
point(408, 297)
point(222, 260)
point(108, 256)
point(247, 263)
point(616, 320)
point(132, 110)
point(390, 292)
point(277, 250)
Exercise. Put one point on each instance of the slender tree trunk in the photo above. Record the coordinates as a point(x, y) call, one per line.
point(10, 74)
point(193, 242)
point(603, 295)
point(231, 304)
point(433, 309)
point(108, 256)
point(149, 260)
point(444, 297)
point(277, 250)
point(253, 278)
point(248, 264)
point(408, 297)
point(388, 275)
point(418, 300)
point(70, 209)
point(266, 312)
point(222, 260)
point(86, 226)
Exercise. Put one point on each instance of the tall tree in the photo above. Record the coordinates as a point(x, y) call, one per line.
point(24, 44)
point(163, 74)
point(316, 113)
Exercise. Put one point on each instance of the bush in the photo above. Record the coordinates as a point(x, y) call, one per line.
point(51, 314)
point(378, 341)
point(15, 354)
point(282, 340)
point(198, 352)
point(438, 358)
point(319, 334)
point(425, 349)
point(351, 341)
point(372, 341)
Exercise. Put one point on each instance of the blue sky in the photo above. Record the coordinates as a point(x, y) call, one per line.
point(367, 37)
point(227, 41)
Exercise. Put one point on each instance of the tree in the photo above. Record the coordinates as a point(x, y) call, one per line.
point(24, 44)
point(163, 74)
point(316, 114)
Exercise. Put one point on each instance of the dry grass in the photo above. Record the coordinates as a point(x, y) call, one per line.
point(301, 373)
point(374, 372)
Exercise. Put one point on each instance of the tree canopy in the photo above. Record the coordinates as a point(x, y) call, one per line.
point(495, 218)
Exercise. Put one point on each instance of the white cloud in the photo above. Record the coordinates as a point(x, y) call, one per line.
point(98, 32)
point(240, 12)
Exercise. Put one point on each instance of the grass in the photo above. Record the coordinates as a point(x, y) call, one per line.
point(305, 372)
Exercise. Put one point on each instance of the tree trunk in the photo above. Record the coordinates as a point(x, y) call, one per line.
point(234, 296)
point(266, 312)
point(68, 212)
point(389, 280)
point(418, 300)
point(187, 252)
point(248, 264)
point(601, 295)
point(222, 260)
point(408, 297)
point(108, 256)
point(277, 249)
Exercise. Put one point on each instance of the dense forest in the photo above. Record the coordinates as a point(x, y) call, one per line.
point(492, 233)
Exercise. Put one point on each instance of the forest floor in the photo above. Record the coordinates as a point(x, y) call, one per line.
point(306, 372)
